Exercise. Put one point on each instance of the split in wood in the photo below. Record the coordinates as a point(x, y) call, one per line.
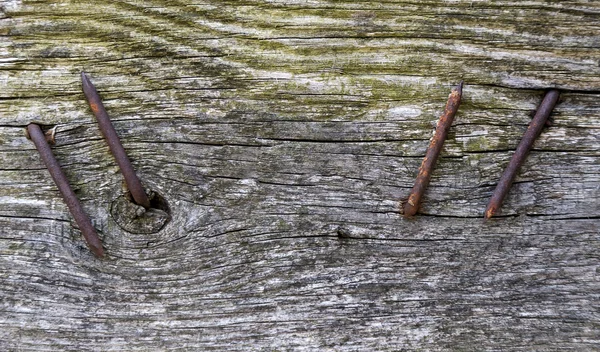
point(114, 143)
point(34, 132)
point(433, 151)
point(533, 131)
point(49, 135)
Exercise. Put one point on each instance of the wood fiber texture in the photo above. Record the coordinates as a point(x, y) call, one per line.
point(283, 135)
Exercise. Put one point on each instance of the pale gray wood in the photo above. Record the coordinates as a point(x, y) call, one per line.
point(283, 136)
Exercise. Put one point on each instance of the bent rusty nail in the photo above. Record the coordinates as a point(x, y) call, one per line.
point(433, 151)
point(114, 143)
point(533, 131)
point(34, 132)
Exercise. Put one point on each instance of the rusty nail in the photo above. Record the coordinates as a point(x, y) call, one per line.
point(35, 133)
point(433, 151)
point(110, 135)
point(533, 131)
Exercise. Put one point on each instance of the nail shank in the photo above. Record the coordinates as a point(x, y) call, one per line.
point(433, 151)
point(533, 131)
point(82, 220)
point(114, 143)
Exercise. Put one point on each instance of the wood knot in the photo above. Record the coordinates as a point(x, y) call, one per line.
point(134, 218)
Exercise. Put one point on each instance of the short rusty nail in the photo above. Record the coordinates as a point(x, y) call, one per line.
point(83, 221)
point(433, 151)
point(533, 131)
point(110, 135)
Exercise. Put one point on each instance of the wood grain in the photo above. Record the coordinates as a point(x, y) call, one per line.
point(283, 135)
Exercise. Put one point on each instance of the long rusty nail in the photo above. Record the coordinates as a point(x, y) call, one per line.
point(533, 131)
point(83, 221)
point(110, 135)
point(433, 151)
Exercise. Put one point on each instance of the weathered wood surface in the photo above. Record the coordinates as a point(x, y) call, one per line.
point(283, 134)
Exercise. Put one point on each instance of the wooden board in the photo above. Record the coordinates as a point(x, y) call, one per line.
point(283, 135)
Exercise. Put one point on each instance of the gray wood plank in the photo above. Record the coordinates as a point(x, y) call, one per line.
point(283, 136)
